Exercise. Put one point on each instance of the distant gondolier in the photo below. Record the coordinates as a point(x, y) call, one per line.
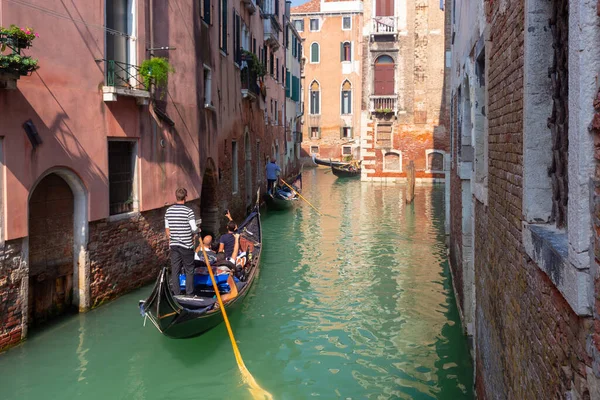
point(180, 226)
point(273, 171)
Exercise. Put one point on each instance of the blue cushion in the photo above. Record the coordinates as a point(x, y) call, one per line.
point(204, 282)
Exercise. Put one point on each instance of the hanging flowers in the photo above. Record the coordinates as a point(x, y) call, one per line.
point(17, 37)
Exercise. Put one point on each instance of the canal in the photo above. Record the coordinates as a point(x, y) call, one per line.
point(355, 304)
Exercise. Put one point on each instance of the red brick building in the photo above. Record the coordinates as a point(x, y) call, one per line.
point(523, 218)
point(90, 155)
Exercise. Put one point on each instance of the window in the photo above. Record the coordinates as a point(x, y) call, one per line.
point(314, 149)
point(299, 25)
point(299, 51)
point(223, 26)
point(276, 113)
point(346, 23)
point(205, 10)
point(346, 99)
point(384, 76)
point(384, 135)
point(315, 98)
point(315, 132)
point(293, 46)
point(435, 161)
point(258, 163)
point(277, 69)
point(121, 48)
point(345, 51)
point(234, 167)
point(272, 64)
point(346, 132)
point(384, 8)
point(392, 161)
point(314, 24)
point(237, 39)
point(346, 150)
point(314, 53)
point(207, 87)
point(121, 168)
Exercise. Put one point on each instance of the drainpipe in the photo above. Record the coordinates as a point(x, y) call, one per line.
point(151, 12)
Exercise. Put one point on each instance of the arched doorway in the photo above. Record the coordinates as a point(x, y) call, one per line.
point(384, 76)
point(51, 250)
point(248, 172)
point(209, 208)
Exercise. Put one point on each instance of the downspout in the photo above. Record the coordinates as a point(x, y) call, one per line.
point(151, 13)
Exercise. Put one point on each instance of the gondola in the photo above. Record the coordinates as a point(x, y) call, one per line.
point(180, 316)
point(349, 171)
point(328, 163)
point(282, 197)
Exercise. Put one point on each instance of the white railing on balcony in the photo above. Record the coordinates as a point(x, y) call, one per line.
point(384, 103)
point(384, 25)
point(271, 32)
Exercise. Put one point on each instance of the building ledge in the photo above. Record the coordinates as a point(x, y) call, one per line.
point(111, 93)
point(548, 247)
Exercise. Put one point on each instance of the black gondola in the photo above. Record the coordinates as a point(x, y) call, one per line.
point(282, 197)
point(349, 171)
point(328, 163)
point(188, 316)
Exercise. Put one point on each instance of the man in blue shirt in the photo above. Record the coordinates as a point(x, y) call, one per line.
point(272, 173)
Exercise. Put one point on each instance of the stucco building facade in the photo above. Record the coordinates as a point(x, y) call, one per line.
point(90, 156)
point(331, 76)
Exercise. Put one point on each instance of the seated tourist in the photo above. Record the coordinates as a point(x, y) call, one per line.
point(206, 244)
point(229, 243)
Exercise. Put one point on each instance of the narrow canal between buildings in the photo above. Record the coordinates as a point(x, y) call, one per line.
point(355, 304)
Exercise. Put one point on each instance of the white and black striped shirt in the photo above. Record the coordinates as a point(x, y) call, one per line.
point(179, 219)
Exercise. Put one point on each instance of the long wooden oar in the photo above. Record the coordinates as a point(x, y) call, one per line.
point(299, 195)
point(255, 389)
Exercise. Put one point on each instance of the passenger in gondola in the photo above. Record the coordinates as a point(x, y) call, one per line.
point(229, 243)
point(273, 172)
point(206, 244)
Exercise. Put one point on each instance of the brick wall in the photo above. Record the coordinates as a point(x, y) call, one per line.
point(530, 344)
point(12, 271)
point(127, 254)
point(456, 260)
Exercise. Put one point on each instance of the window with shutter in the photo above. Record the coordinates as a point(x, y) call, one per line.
point(223, 23)
point(314, 53)
point(314, 25)
point(384, 8)
point(345, 51)
point(384, 76)
point(205, 10)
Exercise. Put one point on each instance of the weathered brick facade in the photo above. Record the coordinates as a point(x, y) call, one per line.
point(13, 274)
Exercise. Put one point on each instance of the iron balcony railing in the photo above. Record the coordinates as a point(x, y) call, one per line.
point(384, 25)
point(120, 74)
point(250, 80)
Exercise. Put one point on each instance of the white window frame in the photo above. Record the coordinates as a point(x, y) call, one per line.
point(399, 153)
point(351, 51)
point(350, 18)
point(345, 148)
point(310, 26)
point(310, 98)
point(294, 22)
point(313, 147)
point(318, 53)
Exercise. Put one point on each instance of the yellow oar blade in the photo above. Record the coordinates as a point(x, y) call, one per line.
point(257, 392)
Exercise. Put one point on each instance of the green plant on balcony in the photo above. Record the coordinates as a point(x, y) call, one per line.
point(254, 63)
point(155, 71)
point(17, 38)
point(17, 64)
point(384, 111)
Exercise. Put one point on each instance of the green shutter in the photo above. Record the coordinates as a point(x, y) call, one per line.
point(288, 84)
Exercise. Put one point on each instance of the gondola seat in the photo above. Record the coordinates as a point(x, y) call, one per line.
point(203, 283)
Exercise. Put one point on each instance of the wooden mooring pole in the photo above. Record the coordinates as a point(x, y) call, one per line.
point(410, 181)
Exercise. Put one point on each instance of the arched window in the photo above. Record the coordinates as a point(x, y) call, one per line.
point(346, 51)
point(346, 97)
point(314, 53)
point(315, 98)
point(384, 76)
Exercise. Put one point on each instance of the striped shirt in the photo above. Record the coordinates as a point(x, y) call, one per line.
point(180, 221)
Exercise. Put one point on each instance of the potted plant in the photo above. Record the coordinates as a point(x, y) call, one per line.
point(385, 112)
point(254, 63)
point(155, 71)
point(16, 37)
point(17, 64)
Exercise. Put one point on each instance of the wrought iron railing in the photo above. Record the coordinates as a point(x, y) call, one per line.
point(250, 80)
point(384, 24)
point(120, 74)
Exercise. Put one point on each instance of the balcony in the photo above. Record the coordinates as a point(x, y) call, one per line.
point(124, 79)
point(384, 26)
point(271, 30)
point(250, 6)
point(250, 88)
point(383, 104)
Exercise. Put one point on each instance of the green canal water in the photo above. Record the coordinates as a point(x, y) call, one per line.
point(357, 304)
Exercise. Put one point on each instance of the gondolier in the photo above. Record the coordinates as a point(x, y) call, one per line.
point(273, 171)
point(180, 226)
